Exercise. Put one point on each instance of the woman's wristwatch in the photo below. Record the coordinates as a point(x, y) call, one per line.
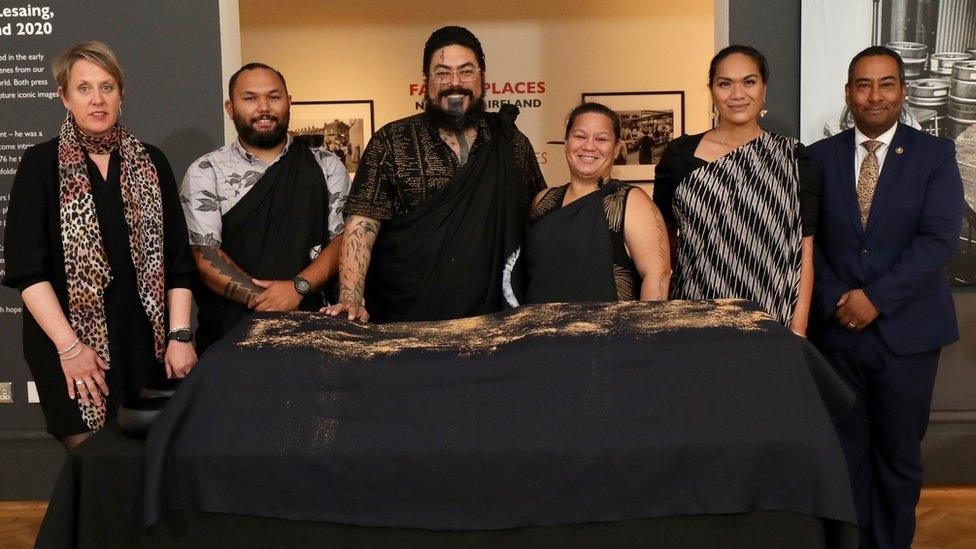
point(183, 334)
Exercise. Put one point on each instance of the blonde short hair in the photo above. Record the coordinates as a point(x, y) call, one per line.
point(94, 52)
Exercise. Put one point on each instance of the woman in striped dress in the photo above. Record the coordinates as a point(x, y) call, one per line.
point(740, 202)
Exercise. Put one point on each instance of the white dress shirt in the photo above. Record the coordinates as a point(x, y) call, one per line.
point(860, 152)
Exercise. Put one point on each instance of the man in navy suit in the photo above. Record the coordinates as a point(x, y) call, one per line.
point(890, 216)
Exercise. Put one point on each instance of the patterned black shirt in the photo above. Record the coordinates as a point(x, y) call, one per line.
point(407, 161)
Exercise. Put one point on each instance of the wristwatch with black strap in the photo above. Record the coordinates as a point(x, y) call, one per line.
point(302, 286)
point(182, 334)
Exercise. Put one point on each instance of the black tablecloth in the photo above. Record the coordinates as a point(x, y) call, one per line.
point(549, 424)
point(97, 504)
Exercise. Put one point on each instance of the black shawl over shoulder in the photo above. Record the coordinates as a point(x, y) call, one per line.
point(269, 234)
point(444, 259)
point(568, 255)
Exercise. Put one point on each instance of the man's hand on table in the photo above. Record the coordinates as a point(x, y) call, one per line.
point(351, 305)
point(278, 296)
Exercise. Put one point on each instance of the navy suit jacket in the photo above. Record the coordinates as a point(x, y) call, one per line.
point(899, 259)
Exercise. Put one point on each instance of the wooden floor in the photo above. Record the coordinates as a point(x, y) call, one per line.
point(19, 521)
point(946, 517)
point(946, 520)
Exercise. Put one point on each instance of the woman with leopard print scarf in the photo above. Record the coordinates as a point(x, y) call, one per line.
point(96, 242)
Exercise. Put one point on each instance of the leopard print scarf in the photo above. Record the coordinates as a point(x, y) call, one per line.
point(85, 263)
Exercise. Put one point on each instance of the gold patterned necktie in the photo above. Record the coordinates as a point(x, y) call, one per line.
point(867, 180)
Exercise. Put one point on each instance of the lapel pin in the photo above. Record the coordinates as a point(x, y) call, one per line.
point(899, 150)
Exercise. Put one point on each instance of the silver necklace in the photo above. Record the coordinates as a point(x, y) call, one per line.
point(722, 141)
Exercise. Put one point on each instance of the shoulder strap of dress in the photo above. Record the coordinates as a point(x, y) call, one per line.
point(550, 201)
point(615, 204)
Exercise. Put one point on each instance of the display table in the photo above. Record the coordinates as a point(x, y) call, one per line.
point(97, 504)
point(686, 424)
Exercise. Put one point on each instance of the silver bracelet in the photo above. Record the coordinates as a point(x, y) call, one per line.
point(70, 347)
point(78, 352)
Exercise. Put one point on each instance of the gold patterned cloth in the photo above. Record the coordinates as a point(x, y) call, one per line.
point(561, 413)
point(867, 180)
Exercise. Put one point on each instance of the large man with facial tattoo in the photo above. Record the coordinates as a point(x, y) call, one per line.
point(440, 199)
point(264, 212)
point(890, 216)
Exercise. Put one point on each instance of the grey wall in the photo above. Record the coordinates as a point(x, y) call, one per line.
point(773, 27)
point(170, 52)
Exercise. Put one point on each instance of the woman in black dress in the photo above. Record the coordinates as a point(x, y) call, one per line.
point(97, 245)
point(594, 238)
point(740, 202)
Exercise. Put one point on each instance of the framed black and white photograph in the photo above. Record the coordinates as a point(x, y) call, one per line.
point(649, 121)
point(342, 127)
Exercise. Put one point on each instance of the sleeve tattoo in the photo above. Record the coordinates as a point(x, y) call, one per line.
point(664, 255)
point(356, 251)
point(238, 286)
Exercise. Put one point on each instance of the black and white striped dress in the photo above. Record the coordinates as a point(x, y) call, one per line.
point(740, 228)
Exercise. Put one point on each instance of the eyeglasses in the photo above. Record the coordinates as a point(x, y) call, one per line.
point(465, 74)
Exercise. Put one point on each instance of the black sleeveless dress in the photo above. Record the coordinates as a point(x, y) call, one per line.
point(576, 253)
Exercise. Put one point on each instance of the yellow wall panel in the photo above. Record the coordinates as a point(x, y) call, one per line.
point(372, 49)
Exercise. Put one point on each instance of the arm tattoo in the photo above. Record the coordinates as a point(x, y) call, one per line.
point(239, 287)
point(347, 295)
point(356, 250)
point(664, 255)
point(238, 293)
